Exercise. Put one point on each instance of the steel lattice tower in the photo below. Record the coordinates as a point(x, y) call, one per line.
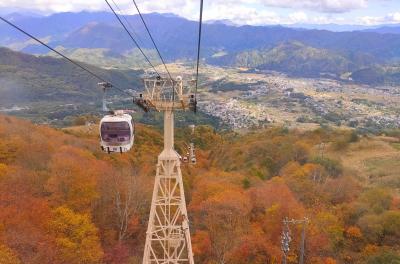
point(168, 236)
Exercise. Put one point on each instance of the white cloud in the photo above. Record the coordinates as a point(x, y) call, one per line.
point(254, 12)
point(326, 6)
point(241, 14)
point(392, 18)
point(51, 6)
point(183, 6)
point(298, 17)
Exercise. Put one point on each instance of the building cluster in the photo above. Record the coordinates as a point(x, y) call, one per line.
point(14, 108)
point(306, 100)
point(236, 114)
point(385, 122)
point(256, 92)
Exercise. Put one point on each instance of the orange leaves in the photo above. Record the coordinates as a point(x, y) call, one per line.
point(93, 191)
point(329, 261)
point(214, 185)
point(23, 224)
point(73, 181)
point(275, 194)
point(242, 226)
point(201, 244)
point(221, 210)
point(119, 254)
point(7, 256)
point(293, 169)
point(255, 247)
point(3, 170)
point(9, 149)
point(228, 207)
point(370, 250)
point(353, 233)
point(256, 250)
point(271, 203)
point(396, 203)
point(303, 181)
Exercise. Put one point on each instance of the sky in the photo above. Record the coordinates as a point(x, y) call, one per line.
point(251, 12)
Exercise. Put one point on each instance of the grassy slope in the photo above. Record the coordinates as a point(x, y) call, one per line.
point(374, 160)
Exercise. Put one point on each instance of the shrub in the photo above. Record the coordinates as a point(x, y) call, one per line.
point(387, 257)
point(333, 167)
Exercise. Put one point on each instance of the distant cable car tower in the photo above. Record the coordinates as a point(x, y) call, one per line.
point(168, 236)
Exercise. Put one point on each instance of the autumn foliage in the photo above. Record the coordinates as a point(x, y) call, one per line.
point(64, 201)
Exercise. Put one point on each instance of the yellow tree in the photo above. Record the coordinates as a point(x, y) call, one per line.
point(7, 256)
point(3, 170)
point(77, 238)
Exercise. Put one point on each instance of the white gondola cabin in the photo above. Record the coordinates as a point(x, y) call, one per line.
point(117, 132)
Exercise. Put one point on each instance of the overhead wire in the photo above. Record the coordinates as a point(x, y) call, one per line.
point(128, 23)
point(132, 38)
point(62, 55)
point(152, 39)
point(198, 48)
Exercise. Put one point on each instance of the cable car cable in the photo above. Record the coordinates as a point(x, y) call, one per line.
point(151, 37)
point(60, 54)
point(158, 51)
point(198, 48)
point(129, 24)
point(132, 38)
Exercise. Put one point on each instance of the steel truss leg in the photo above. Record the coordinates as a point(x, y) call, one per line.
point(168, 236)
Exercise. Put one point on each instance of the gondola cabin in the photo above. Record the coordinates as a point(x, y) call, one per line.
point(117, 132)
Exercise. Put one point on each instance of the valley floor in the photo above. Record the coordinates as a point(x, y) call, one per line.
point(245, 98)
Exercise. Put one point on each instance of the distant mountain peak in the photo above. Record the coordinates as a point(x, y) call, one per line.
point(15, 16)
point(330, 27)
point(165, 14)
point(226, 22)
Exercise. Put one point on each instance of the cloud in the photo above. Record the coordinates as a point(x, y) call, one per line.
point(298, 17)
point(186, 7)
point(51, 6)
point(241, 14)
point(391, 18)
point(325, 6)
point(252, 12)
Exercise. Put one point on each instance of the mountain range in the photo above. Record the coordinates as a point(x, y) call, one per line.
point(296, 51)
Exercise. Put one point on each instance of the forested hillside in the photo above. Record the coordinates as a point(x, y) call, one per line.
point(27, 79)
point(63, 201)
point(296, 59)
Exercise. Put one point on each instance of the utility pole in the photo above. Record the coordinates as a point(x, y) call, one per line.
point(285, 246)
point(168, 236)
point(192, 154)
point(321, 148)
point(286, 239)
point(303, 240)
